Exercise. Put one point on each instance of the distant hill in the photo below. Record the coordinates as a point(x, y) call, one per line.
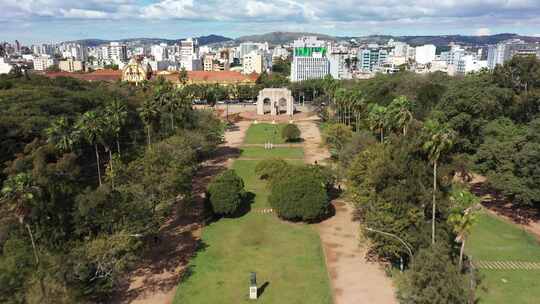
point(281, 37)
point(444, 40)
point(203, 40)
point(439, 40)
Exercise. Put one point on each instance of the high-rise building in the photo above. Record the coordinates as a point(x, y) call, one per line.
point(309, 59)
point(5, 66)
point(340, 65)
point(114, 52)
point(425, 53)
point(159, 52)
point(504, 51)
point(470, 63)
point(371, 58)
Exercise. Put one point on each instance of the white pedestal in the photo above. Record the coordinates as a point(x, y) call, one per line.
point(253, 293)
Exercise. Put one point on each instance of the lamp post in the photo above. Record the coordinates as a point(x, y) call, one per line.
point(399, 239)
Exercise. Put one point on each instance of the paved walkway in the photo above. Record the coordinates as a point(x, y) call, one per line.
point(353, 279)
point(155, 280)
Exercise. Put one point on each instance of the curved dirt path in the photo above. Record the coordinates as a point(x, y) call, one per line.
point(156, 278)
point(353, 279)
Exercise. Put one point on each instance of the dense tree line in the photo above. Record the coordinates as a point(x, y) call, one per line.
point(401, 140)
point(91, 172)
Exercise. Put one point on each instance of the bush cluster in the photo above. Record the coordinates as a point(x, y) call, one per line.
point(290, 133)
point(226, 192)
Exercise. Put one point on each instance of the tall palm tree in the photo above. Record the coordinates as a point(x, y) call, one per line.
point(440, 138)
point(19, 192)
point(377, 118)
point(150, 115)
point(462, 217)
point(116, 115)
point(91, 127)
point(61, 135)
point(401, 108)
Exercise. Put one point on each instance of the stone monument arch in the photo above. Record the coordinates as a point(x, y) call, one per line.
point(280, 98)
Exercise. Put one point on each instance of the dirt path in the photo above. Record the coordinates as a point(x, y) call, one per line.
point(353, 279)
point(155, 281)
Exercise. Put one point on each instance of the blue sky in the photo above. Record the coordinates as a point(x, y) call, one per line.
point(57, 20)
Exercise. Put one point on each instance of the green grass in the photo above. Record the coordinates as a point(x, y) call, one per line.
point(287, 256)
point(261, 152)
point(493, 239)
point(263, 132)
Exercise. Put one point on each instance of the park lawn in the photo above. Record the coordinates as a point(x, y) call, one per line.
point(264, 132)
point(287, 257)
point(280, 152)
point(493, 239)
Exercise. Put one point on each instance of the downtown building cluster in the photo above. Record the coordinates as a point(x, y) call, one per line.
point(310, 57)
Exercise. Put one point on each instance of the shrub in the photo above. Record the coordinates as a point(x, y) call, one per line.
point(336, 136)
point(290, 133)
point(433, 279)
point(299, 194)
point(226, 192)
point(270, 168)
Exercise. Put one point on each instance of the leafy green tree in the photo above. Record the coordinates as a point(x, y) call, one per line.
point(439, 140)
point(300, 194)
point(61, 134)
point(290, 133)
point(20, 193)
point(226, 192)
point(92, 128)
point(433, 279)
point(183, 76)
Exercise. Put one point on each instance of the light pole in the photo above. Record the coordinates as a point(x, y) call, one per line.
point(398, 238)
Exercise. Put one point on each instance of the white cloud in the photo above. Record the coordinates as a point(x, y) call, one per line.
point(444, 15)
point(483, 31)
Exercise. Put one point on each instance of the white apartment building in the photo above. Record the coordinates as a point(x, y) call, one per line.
point(42, 63)
point(208, 62)
point(114, 53)
point(470, 64)
point(304, 68)
point(159, 52)
point(338, 65)
point(425, 54)
point(280, 52)
point(253, 63)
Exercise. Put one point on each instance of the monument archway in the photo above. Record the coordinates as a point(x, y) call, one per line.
point(280, 99)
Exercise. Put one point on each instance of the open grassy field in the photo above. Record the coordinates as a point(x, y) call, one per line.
point(264, 132)
point(261, 152)
point(287, 257)
point(493, 239)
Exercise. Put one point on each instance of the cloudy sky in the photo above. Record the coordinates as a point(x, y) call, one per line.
point(57, 20)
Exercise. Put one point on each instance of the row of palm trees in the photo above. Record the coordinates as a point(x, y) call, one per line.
point(96, 127)
point(350, 108)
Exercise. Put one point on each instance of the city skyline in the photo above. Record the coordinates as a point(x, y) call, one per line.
point(59, 20)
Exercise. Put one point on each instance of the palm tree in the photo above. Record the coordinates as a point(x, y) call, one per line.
point(116, 115)
point(462, 217)
point(60, 134)
point(378, 119)
point(150, 114)
point(440, 139)
point(20, 193)
point(401, 109)
point(91, 127)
